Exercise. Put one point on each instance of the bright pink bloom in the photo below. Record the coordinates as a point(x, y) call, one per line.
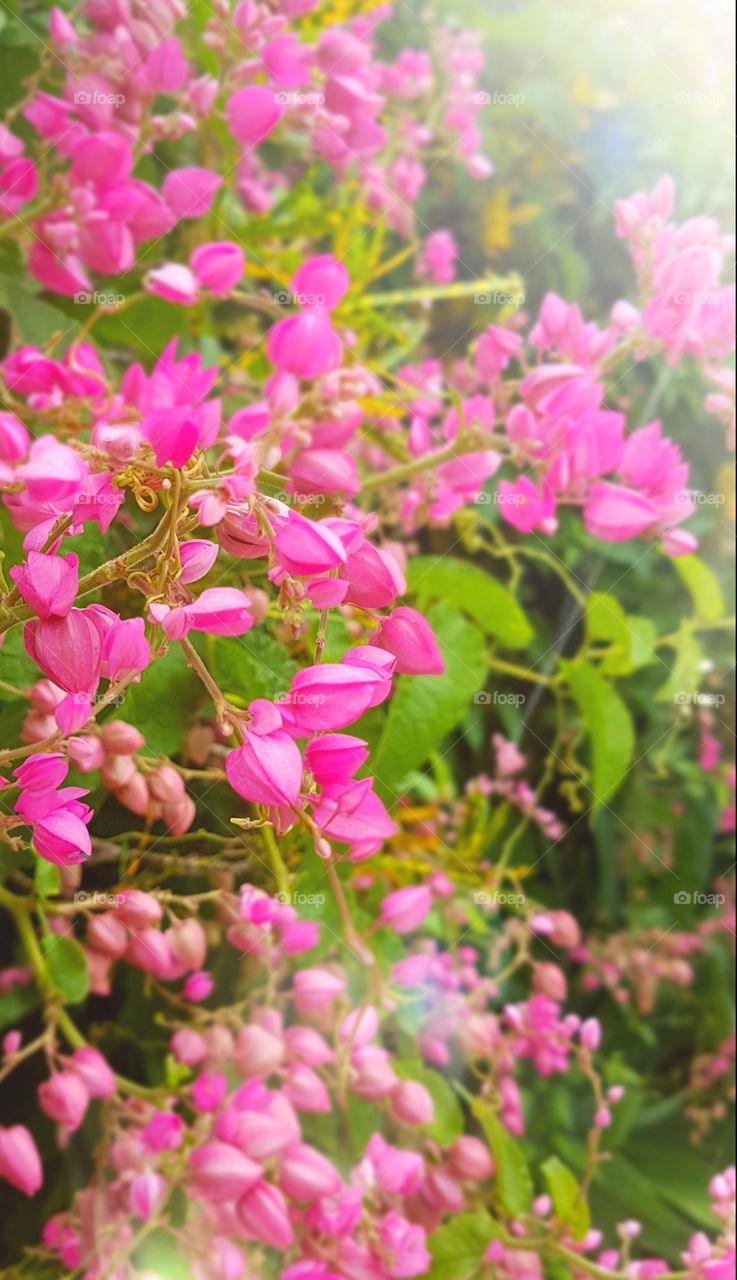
point(403, 1245)
point(48, 584)
point(334, 695)
point(405, 910)
point(615, 513)
point(218, 266)
point(189, 193)
point(335, 757)
point(525, 507)
point(68, 650)
point(267, 769)
point(409, 636)
point(305, 547)
point(252, 114)
point(321, 282)
point(305, 345)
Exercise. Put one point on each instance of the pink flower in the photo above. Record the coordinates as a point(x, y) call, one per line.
point(407, 635)
point(172, 282)
point(61, 837)
point(189, 193)
point(437, 257)
point(267, 769)
point(218, 266)
point(333, 695)
point(48, 583)
point(525, 507)
point(321, 282)
point(20, 1164)
point(252, 114)
point(354, 815)
point(404, 1246)
point(305, 345)
point(68, 650)
point(335, 757)
point(615, 513)
point(405, 910)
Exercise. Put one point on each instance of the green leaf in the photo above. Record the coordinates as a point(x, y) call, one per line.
point(608, 724)
point(458, 1248)
point(465, 585)
point(513, 1180)
point(162, 705)
point(630, 640)
point(686, 673)
point(17, 1003)
point(67, 968)
point(703, 586)
point(448, 1122)
point(47, 878)
point(251, 666)
point(569, 1204)
point(426, 708)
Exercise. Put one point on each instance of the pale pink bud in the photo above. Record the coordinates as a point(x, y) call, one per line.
point(590, 1034)
point(305, 1174)
point(117, 771)
point(566, 931)
point(135, 797)
point(138, 909)
point(372, 1073)
point(178, 815)
point(20, 1164)
point(188, 1046)
point(187, 943)
point(405, 910)
point(93, 1071)
point(221, 1172)
point(549, 980)
point(470, 1160)
point(264, 1214)
point(196, 558)
point(107, 934)
point(148, 950)
point(316, 988)
point(86, 753)
point(145, 1195)
point(304, 1088)
point(308, 1045)
point(603, 1118)
point(64, 1098)
point(121, 739)
point(257, 1052)
point(165, 784)
point(412, 1104)
point(198, 986)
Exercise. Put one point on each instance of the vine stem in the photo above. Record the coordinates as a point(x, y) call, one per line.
point(281, 874)
point(21, 910)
